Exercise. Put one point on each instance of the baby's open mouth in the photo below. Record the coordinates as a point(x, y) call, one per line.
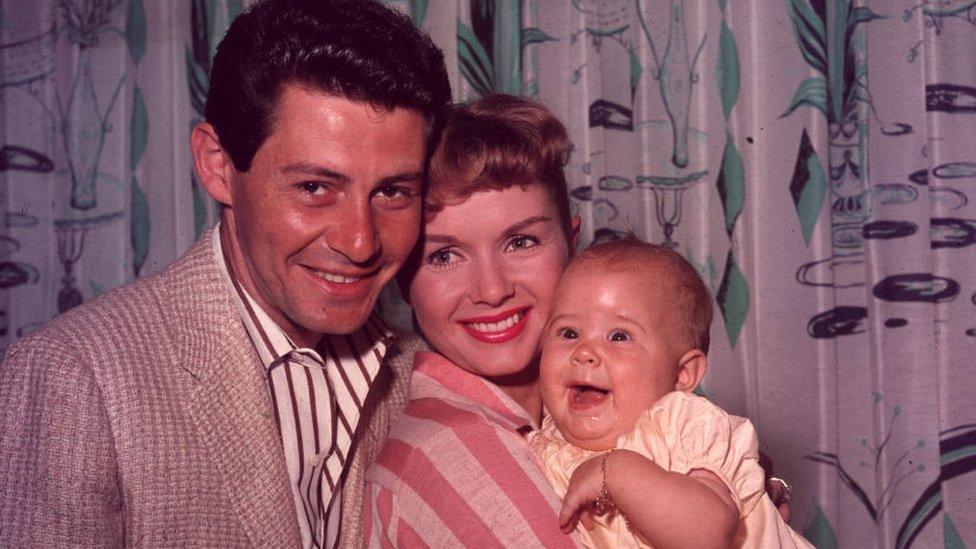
point(582, 395)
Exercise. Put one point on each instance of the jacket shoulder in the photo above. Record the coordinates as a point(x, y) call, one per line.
point(125, 315)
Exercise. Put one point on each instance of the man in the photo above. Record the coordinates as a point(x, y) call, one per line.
point(236, 398)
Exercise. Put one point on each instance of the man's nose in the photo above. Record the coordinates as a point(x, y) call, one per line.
point(355, 236)
point(492, 286)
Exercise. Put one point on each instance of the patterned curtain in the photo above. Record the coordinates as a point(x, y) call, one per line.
point(813, 159)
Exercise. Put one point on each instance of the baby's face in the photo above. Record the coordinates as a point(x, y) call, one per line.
point(607, 353)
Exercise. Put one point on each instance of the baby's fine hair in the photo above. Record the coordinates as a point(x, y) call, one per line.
point(691, 302)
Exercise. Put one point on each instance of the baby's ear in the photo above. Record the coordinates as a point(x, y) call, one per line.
point(691, 369)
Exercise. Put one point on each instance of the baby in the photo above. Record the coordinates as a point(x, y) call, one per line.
point(634, 454)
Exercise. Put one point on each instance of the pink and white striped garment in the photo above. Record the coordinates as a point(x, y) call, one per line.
point(456, 470)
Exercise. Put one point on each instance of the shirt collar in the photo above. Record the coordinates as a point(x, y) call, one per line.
point(434, 374)
point(270, 341)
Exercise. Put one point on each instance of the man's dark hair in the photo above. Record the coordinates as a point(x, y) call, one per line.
point(356, 49)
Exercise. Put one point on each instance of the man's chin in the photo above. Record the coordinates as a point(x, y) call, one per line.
point(337, 321)
point(334, 326)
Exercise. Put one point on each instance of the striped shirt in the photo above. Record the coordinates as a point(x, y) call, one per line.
point(456, 470)
point(318, 396)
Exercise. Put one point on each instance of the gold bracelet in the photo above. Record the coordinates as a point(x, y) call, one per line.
point(603, 503)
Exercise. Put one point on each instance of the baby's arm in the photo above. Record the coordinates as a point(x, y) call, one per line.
point(668, 509)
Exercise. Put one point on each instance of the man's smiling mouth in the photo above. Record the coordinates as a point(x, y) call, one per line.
point(337, 278)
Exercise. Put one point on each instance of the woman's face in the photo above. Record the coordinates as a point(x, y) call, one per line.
point(488, 271)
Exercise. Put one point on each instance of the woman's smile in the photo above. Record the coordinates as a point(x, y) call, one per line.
point(497, 328)
point(488, 270)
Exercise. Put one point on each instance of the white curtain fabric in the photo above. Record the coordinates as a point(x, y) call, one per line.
point(814, 159)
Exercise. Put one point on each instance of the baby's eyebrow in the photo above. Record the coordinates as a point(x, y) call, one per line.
point(630, 322)
point(550, 322)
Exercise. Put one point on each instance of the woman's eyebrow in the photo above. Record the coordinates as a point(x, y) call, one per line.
point(527, 222)
point(440, 239)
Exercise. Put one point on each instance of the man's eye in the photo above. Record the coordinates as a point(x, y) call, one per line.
point(568, 333)
point(311, 187)
point(522, 242)
point(619, 335)
point(395, 196)
point(391, 191)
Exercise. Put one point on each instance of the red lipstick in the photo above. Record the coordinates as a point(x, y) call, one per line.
point(502, 336)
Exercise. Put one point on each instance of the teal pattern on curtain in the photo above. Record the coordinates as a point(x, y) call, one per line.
point(813, 159)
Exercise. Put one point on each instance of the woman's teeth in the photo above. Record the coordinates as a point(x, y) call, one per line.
point(489, 327)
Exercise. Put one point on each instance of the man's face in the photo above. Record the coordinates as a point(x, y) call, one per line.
point(328, 211)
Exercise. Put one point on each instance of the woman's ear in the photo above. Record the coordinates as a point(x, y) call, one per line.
point(691, 369)
point(212, 163)
point(574, 227)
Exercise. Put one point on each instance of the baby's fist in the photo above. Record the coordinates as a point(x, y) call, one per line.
point(585, 486)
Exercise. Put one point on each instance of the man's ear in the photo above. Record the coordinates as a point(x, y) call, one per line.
point(691, 369)
point(212, 163)
point(574, 227)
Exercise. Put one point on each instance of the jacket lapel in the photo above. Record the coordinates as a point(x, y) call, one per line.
point(230, 404)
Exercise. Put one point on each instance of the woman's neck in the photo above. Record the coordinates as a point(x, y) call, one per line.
point(523, 388)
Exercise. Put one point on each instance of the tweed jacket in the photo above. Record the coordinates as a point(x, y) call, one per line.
point(144, 418)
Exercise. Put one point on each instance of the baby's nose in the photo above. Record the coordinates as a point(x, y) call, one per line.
point(584, 356)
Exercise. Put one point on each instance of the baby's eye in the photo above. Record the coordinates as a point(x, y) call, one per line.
point(619, 335)
point(568, 333)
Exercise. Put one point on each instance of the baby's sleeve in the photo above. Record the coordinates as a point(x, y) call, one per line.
point(684, 432)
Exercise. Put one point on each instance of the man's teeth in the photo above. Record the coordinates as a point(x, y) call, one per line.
point(338, 279)
point(497, 326)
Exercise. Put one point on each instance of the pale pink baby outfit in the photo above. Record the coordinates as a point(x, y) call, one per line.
point(681, 432)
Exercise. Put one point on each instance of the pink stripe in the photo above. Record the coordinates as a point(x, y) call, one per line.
point(421, 476)
point(495, 458)
point(384, 503)
point(407, 537)
point(467, 385)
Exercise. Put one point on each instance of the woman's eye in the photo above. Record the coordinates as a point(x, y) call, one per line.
point(619, 335)
point(440, 257)
point(568, 333)
point(522, 242)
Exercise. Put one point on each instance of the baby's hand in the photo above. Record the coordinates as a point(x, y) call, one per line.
point(584, 488)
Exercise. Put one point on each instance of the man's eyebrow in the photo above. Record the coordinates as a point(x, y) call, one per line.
point(314, 169)
point(322, 171)
point(406, 176)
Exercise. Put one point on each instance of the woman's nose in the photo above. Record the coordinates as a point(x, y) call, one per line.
point(493, 285)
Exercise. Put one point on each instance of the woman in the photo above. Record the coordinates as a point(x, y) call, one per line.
point(498, 233)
